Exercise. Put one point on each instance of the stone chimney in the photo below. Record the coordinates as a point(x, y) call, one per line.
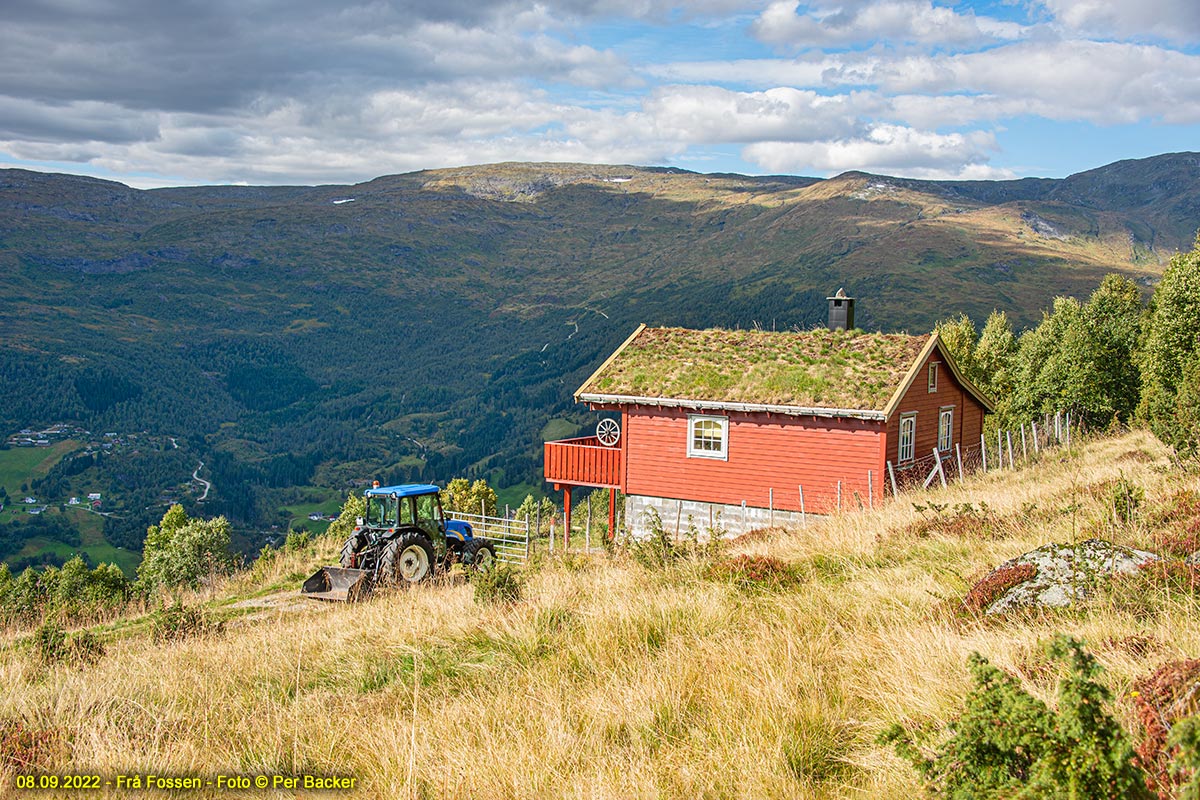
point(841, 311)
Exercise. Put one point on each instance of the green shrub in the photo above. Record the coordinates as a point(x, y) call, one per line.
point(52, 646)
point(50, 643)
point(659, 549)
point(1185, 737)
point(1125, 498)
point(501, 584)
point(297, 540)
point(1007, 743)
point(177, 622)
point(179, 551)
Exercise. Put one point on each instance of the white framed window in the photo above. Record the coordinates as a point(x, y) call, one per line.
point(946, 428)
point(933, 376)
point(908, 436)
point(708, 437)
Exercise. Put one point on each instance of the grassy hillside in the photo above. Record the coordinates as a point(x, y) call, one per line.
point(434, 324)
point(614, 680)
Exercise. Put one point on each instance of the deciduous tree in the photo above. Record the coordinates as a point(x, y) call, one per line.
point(180, 551)
point(465, 497)
point(1170, 345)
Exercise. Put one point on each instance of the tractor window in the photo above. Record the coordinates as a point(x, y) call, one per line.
point(425, 507)
point(406, 511)
point(375, 507)
point(429, 514)
point(381, 511)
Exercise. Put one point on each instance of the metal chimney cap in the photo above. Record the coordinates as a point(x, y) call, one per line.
point(841, 295)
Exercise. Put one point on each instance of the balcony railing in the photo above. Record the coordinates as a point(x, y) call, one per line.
point(582, 462)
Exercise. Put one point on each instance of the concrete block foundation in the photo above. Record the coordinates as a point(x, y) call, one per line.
point(705, 519)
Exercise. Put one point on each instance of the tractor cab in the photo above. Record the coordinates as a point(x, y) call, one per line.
point(413, 505)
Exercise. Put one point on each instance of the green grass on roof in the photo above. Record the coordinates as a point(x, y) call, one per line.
point(817, 369)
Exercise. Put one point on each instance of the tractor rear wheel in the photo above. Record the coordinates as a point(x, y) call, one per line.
point(479, 555)
point(407, 559)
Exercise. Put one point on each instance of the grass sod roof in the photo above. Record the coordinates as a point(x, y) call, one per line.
point(810, 369)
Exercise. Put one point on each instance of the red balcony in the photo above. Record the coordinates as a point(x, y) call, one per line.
point(582, 462)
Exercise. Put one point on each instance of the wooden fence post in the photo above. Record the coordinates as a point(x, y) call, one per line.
point(1000, 448)
point(1033, 426)
point(870, 490)
point(958, 458)
point(1024, 452)
point(941, 472)
point(803, 516)
point(892, 475)
point(1011, 464)
point(839, 497)
point(771, 506)
point(587, 531)
point(983, 449)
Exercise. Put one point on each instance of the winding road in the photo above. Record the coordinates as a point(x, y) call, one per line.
point(196, 477)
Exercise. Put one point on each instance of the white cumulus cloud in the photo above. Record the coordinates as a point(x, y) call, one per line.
point(890, 149)
point(788, 22)
point(1173, 20)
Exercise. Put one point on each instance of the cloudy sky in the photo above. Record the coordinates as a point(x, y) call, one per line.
point(156, 93)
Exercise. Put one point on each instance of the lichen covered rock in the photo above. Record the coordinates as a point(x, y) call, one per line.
point(1063, 573)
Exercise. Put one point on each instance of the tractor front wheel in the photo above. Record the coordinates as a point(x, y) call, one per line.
point(407, 559)
point(479, 555)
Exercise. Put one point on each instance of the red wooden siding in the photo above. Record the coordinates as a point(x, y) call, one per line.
point(582, 462)
point(968, 413)
point(764, 452)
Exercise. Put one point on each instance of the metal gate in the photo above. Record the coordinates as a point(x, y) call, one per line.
point(510, 536)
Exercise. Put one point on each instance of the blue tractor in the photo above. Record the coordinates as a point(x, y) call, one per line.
point(403, 539)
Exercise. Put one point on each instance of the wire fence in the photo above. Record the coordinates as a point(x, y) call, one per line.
point(1001, 449)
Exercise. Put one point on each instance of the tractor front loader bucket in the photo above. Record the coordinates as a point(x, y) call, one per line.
point(338, 584)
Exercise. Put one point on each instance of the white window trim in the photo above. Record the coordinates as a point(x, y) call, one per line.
point(933, 376)
point(723, 453)
point(942, 412)
point(912, 444)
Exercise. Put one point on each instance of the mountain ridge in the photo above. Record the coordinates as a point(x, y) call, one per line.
point(432, 324)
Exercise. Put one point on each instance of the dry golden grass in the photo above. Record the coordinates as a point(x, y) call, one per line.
point(609, 680)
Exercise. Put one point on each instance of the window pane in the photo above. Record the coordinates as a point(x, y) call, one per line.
point(708, 435)
point(907, 428)
point(424, 507)
point(945, 429)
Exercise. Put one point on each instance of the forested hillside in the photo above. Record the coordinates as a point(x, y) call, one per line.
point(434, 324)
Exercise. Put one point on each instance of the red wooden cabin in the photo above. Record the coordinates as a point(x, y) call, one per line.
point(733, 430)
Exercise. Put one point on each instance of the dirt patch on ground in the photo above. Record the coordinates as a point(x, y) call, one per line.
point(289, 600)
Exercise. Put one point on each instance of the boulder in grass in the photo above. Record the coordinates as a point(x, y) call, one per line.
point(1061, 574)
